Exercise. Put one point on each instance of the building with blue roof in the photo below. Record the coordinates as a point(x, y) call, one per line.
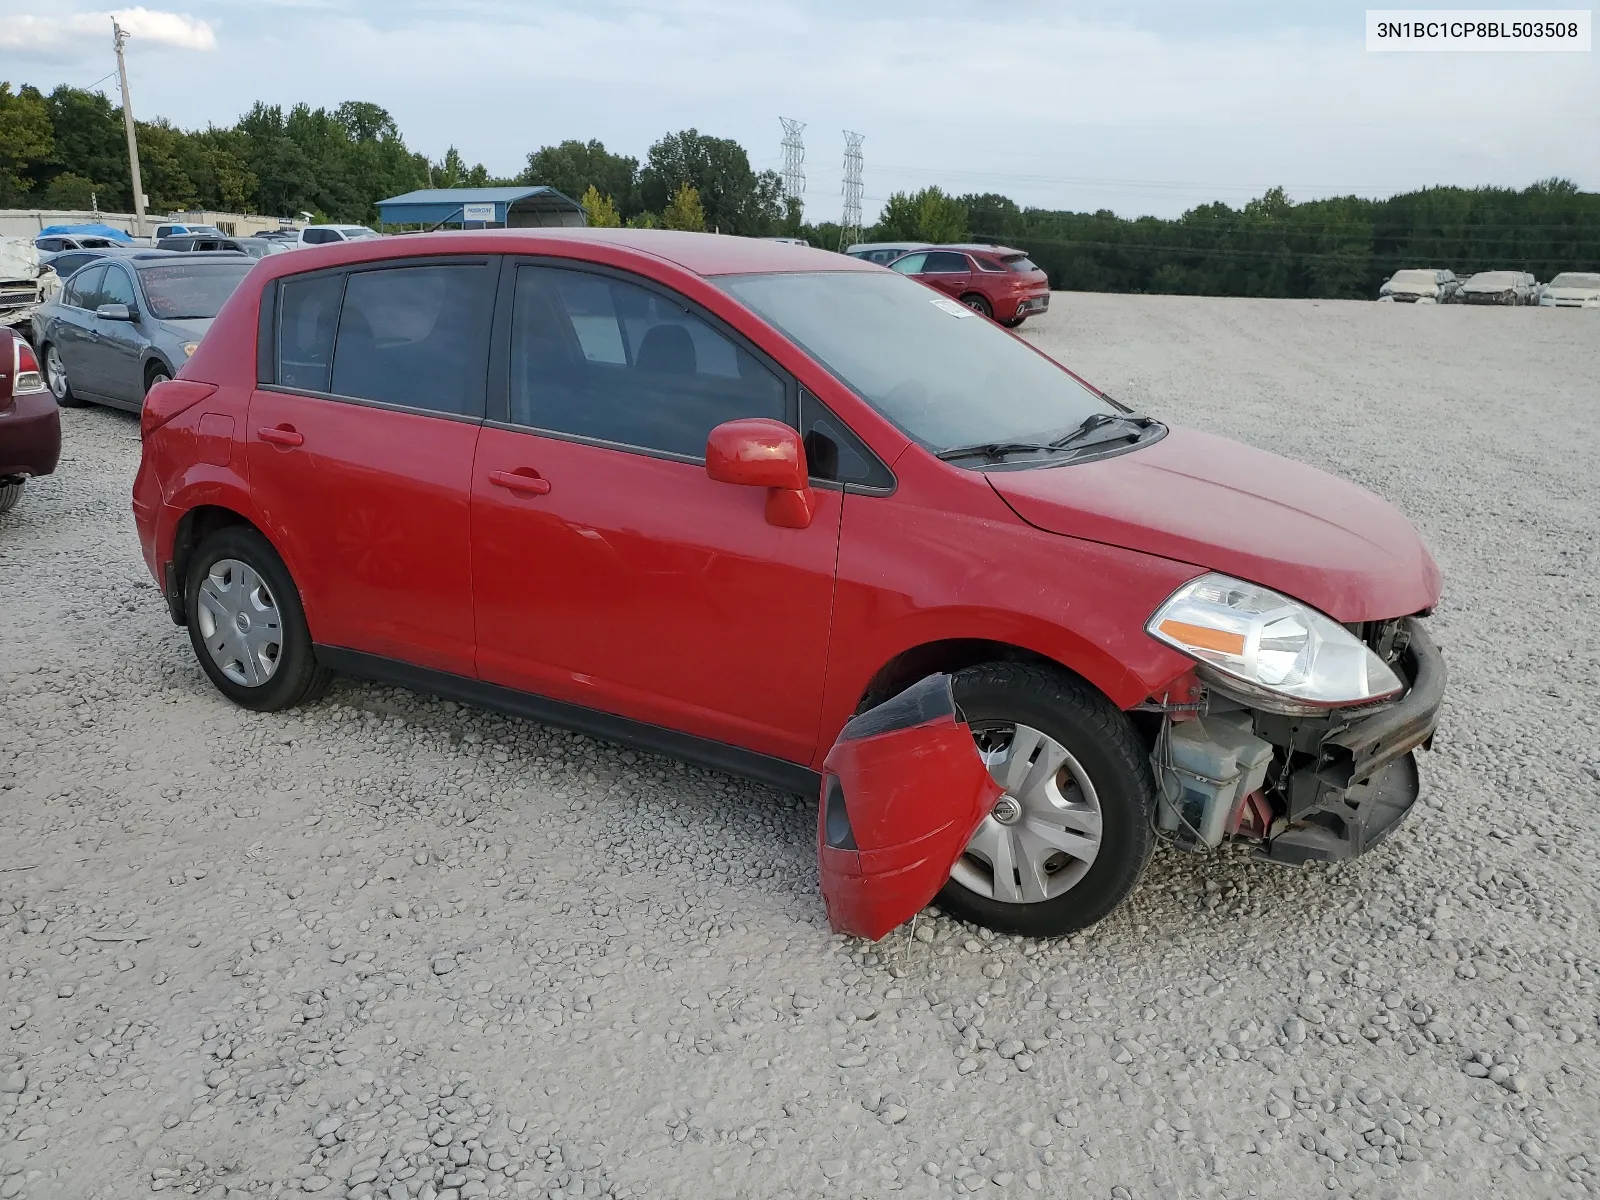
point(482, 208)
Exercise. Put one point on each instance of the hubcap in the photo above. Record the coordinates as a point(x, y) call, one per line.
point(1043, 834)
point(239, 622)
point(57, 374)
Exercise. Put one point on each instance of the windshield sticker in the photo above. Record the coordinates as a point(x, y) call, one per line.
point(951, 307)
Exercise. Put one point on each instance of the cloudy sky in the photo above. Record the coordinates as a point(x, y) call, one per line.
point(1141, 106)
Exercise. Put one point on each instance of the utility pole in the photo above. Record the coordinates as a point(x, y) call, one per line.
point(119, 36)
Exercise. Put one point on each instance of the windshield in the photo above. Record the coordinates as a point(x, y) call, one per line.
point(1575, 279)
point(1412, 279)
point(191, 291)
point(943, 374)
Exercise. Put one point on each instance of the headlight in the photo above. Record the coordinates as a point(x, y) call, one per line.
point(1281, 655)
point(189, 348)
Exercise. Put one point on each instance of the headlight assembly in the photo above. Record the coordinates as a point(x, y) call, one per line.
point(1275, 652)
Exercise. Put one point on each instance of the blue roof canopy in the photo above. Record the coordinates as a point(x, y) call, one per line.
point(511, 206)
point(105, 231)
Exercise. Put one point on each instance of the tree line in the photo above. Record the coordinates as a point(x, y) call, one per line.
point(66, 149)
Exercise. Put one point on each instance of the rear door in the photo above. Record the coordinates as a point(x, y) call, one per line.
point(74, 330)
point(360, 448)
point(949, 271)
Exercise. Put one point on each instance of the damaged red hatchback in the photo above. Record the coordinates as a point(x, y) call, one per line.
point(787, 514)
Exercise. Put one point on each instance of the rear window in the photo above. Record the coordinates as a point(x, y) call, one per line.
point(193, 290)
point(1020, 263)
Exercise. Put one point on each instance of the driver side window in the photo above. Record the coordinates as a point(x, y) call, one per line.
point(117, 289)
point(83, 289)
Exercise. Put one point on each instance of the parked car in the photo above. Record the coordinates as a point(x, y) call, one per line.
point(322, 235)
point(1499, 287)
point(181, 230)
point(30, 424)
point(67, 262)
point(713, 498)
point(997, 281)
point(56, 243)
point(1572, 289)
point(24, 283)
point(883, 253)
point(1424, 286)
point(121, 326)
point(253, 246)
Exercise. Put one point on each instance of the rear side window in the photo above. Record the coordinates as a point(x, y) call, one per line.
point(318, 236)
point(83, 288)
point(308, 316)
point(416, 336)
point(599, 357)
point(1022, 264)
point(945, 262)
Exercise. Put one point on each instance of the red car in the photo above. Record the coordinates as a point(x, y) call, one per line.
point(784, 513)
point(30, 423)
point(997, 281)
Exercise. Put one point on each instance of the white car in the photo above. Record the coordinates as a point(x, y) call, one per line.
point(1500, 287)
point(1572, 289)
point(1420, 286)
point(321, 235)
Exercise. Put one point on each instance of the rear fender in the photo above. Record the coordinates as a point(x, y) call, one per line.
point(903, 791)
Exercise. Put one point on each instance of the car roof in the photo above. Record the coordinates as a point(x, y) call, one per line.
point(888, 246)
point(980, 248)
point(700, 253)
point(151, 258)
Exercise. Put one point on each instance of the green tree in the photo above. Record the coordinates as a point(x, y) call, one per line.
point(89, 141)
point(67, 190)
point(573, 167)
point(600, 211)
point(644, 220)
point(26, 140)
point(925, 216)
point(735, 198)
point(684, 210)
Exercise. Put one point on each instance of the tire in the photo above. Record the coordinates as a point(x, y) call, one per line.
point(10, 493)
point(1102, 746)
point(159, 374)
point(234, 571)
point(1014, 322)
point(55, 375)
point(978, 304)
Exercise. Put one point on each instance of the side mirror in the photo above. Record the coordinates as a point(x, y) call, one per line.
point(114, 312)
point(757, 452)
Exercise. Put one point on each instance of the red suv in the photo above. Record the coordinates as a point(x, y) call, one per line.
point(997, 281)
point(786, 514)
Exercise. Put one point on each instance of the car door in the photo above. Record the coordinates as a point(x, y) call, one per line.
point(609, 570)
point(117, 350)
point(74, 328)
point(360, 445)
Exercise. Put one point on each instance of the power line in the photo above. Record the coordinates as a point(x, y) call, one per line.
point(850, 221)
point(794, 158)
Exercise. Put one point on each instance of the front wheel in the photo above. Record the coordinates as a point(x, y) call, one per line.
point(10, 493)
point(158, 375)
point(246, 623)
point(1070, 837)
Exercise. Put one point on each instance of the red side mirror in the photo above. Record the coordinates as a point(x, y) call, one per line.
point(757, 452)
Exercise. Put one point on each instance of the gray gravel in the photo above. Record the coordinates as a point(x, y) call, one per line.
point(389, 947)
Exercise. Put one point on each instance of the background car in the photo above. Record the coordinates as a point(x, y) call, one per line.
point(1572, 289)
point(1499, 287)
point(123, 325)
point(254, 247)
point(58, 242)
point(30, 424)
point(997, 281)
point(321, 235)
point(883, 253)
point(1427, 285)
point(178, 230)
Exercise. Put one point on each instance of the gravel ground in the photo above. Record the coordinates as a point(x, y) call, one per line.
point(390, 947)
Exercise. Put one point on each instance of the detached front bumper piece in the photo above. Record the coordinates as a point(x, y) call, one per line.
point(903, 791)
point(1353, 780)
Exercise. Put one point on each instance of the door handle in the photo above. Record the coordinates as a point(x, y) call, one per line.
point(523, 479)
point(281, 436)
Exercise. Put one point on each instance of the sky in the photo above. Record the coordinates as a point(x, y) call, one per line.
point(1138, 106)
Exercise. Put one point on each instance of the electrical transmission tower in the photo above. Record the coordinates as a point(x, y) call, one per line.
point(794, 159)
point(850, 222)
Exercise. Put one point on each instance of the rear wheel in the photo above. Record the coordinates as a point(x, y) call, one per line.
point(1071, 835)
point(1014, 322)
point(246, 623)
point(55, 375)
point(978, 304)
point(10, 493)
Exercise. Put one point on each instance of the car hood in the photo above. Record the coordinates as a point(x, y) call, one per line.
point(178, 332)
point(1227, 507)
point(1573, 293)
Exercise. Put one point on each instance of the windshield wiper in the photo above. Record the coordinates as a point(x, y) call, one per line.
point(1131, 425)
point(995, 450)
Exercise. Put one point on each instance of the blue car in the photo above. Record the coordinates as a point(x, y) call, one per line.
point(122, 324)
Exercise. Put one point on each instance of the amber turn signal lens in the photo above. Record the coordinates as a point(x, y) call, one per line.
point(1203, 638)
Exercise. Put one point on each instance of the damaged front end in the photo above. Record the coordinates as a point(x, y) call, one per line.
point(1324, 784)
point(903, 790)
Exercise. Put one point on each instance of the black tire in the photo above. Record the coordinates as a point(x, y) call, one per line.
point(61, 389)
point(1109, 749)
point(297, 677)
point(156, 374)
point(1014, 322)
point(10, 493)
point(978, 304)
